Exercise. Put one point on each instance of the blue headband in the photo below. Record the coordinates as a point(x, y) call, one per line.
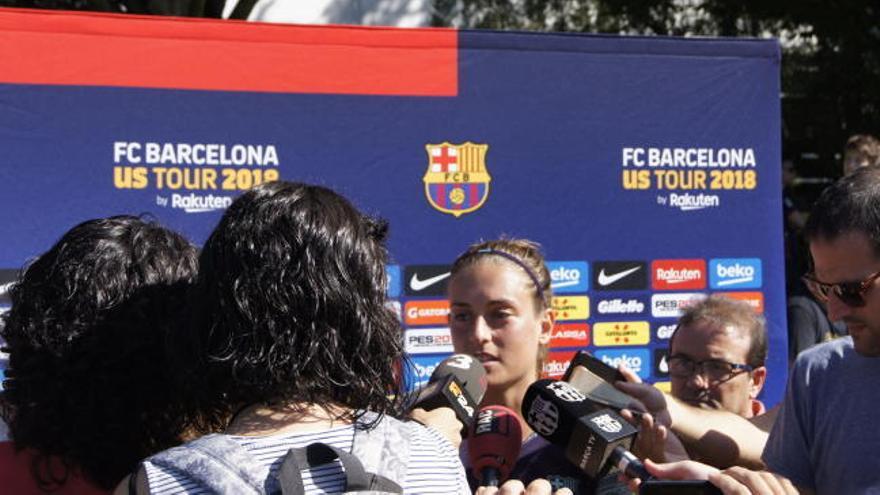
point(531, 273)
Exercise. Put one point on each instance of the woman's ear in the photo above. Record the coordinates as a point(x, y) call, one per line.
point(548, 318)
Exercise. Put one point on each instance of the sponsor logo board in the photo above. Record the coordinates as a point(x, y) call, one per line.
point(672, 305)
point(569, 276)
point(678, 274)
point(457, 180)
point(735, 273)
point(571, 307)
point(427, 341)
point(426, 280)
point(638, 359)
point(620, 306)
point(570, 335)
point(393, 274)
point(420, 370)
point(621, 333)
point(664, 332)
point(620, 275)
point(661, 363)
point(556, 363)
point(433, 312)
point(755, 299)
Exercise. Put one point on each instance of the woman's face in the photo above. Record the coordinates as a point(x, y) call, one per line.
point(493, 317)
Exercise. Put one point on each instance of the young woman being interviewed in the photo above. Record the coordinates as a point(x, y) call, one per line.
point(500, 312)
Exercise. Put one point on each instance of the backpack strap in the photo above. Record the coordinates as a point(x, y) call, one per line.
point(357, 479)
point(218, 463)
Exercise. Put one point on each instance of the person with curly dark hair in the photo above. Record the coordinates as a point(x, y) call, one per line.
point(87, 393)
point(293, 347)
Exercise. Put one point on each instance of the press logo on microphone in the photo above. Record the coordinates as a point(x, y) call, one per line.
point(678, 274)
point(543, 416)
point(607, 424)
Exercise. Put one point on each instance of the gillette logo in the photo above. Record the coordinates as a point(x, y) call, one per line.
point(735, 273)
point(619, 306)
point(569, 276)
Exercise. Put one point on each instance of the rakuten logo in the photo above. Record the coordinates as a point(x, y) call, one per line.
point(678, 274)
point(638, 360)
point(556, 364)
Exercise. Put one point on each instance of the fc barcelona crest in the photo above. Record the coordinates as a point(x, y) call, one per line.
point(457, 181)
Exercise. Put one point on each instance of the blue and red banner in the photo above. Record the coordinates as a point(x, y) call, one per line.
point(648, 168)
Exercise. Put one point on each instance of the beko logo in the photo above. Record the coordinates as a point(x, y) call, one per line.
point(735, 273)
point(568, 276)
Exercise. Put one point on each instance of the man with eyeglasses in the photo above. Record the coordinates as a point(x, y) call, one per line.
point(717, 356)
point(823, 437)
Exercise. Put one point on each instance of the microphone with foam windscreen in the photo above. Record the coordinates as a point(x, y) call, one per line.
point(494, 444)
point(458, 382)
point(593, 437)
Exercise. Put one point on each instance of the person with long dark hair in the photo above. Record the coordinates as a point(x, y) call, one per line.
point(292, 347)
point(87, 393)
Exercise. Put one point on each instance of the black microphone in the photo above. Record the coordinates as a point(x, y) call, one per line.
point(458, 382)
point(594, 438)
point(494, 444)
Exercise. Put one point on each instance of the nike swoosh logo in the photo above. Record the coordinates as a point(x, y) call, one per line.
point(417, 285)
point(605, 279)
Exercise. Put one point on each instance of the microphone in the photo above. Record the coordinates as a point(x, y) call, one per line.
point(458, 382)
point(494, 444)
point(595, 380)
point(594, 438)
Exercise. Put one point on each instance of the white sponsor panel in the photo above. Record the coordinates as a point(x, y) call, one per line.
point(672, 305)
point(427, 341)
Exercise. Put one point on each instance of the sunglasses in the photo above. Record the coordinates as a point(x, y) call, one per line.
point(850, 293)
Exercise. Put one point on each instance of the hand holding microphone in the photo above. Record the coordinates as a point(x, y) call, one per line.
point(459, 383)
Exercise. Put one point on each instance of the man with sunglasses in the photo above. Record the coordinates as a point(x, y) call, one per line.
point(717, 356)
point(824, 438)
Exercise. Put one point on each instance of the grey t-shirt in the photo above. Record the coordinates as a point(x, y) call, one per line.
point(826, 436)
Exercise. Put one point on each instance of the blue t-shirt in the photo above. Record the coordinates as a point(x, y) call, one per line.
point(826, 436)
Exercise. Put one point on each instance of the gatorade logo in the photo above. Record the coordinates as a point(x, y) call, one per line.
point(735, 273)
point(678, 274)
point(571, 307)
point(638, 360)
point(434, 312)
point(569, 276)
point(621, 333)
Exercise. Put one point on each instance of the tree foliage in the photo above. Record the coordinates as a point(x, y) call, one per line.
point(831, 50)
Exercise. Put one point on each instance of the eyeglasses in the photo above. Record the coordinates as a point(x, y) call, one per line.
point(850, 293)
point(716, 370)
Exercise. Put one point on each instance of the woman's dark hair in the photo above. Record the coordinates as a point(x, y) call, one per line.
point(290, 308)
point(87, 386)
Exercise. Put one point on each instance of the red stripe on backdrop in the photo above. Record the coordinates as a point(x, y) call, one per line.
point(75, 48)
